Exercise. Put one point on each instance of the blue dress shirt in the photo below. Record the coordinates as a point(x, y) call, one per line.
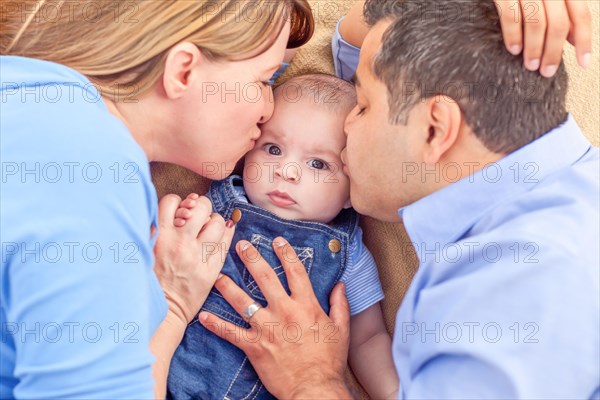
point(506, 300)
point(79, 300)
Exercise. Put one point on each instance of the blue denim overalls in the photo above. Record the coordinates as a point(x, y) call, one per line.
point(206, 367)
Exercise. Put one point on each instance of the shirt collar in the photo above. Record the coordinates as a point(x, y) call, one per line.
point(444, 216)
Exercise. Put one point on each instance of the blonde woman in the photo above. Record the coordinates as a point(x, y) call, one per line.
point(91, 91)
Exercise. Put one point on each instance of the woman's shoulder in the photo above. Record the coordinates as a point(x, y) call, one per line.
point(53, 113)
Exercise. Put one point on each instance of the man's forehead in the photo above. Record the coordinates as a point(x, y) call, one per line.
point(370, 47)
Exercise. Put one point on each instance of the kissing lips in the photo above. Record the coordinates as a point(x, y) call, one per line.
point(281, 199)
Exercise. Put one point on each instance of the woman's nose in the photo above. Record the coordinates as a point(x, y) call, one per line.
point(269, 105)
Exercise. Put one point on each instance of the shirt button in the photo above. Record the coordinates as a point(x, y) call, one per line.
point(335, 246)
point(236, 215)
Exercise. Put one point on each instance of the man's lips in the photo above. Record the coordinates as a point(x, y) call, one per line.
point(281, 199)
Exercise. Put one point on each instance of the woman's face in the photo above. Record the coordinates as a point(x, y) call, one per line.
point(219, 117)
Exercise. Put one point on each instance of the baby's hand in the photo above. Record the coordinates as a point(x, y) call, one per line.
point(185, 210)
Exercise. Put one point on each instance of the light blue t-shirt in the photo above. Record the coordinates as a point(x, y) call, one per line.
point(506, 301)
point(79, 300)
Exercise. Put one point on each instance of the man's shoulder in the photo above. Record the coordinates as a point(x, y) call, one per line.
point(562, 207)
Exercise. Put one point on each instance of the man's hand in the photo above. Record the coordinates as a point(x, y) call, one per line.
point(546, 24)
point(297, 350)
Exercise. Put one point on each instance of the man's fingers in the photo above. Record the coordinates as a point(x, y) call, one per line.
point(262, 272)
point(581, 30)
point(166, 210)
point(534, 20)
point(224, 329)
point(512, 24)
point(556, 36)
point(339, 311)
point(295, 271)
point(235, 296)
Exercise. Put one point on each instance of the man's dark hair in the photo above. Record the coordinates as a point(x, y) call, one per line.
point(455, 48)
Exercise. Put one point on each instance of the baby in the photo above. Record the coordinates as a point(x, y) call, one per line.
point(292, 186)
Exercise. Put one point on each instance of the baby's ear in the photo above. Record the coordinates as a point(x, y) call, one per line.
point(348, 203)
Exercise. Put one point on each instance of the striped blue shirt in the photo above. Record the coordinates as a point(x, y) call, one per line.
point(363, 287)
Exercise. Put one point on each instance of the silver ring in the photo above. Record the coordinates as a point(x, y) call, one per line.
point(251, 310)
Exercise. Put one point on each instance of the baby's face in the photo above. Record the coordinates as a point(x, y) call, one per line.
point(295, 169)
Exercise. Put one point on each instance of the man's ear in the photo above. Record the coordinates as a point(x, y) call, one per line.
point(179, 69)
point(444, 120)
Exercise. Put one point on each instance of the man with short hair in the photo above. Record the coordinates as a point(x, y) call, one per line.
point(496, 183)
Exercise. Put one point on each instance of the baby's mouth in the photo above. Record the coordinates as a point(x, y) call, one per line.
point(281, 199)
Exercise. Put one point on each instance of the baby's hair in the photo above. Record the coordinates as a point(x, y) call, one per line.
point(333, 93)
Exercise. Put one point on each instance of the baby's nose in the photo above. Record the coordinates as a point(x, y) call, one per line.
point(290, 172)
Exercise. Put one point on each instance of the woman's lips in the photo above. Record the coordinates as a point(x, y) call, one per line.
point(344, 163)
point(281, 199)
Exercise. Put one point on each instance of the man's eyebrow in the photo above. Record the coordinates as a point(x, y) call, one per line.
point(355, 79)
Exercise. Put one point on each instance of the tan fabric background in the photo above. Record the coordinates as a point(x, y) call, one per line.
point(389, 243)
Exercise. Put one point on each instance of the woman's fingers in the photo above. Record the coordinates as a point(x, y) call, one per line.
point(166, 210)
point(541, 27)
point(534, 20)
point(183, 213)
point(556, 36)
point(581, 30)
point(512, 24)
point(227, 240)
point(295, 271)
point(200, 216)
point(263, 274)
point(189, 202)
point(213, 230)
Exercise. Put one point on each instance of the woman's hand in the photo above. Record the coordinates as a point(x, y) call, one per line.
point(297, 350)
point(545, 25)
point(190, 251)
point(191, 248)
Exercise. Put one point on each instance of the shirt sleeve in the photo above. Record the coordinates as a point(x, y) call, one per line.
point(363, 287)
point(345, 55)
point(79, 298)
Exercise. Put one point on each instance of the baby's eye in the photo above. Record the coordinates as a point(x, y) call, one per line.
point(317, 164)
point(272, 149)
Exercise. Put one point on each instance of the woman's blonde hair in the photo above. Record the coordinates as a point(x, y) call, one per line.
point(123, 44)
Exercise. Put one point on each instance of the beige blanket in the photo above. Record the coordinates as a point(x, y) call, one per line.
point(389, 243)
